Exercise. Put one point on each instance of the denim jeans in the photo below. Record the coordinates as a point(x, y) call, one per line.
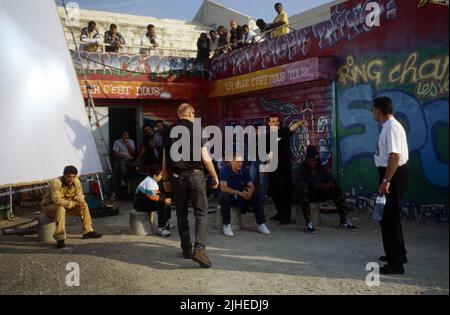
point(227, 201)
point(190, 186)
point(120, 172)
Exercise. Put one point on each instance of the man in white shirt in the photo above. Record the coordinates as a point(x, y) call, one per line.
point(214, 41)
point(150, 39)
point(390, 159)
point(250, 37)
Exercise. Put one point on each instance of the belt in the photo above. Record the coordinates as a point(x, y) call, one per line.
point(186, 172)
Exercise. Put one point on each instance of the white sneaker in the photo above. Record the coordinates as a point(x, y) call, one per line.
point(227, 231)
point(163, 232)
point(113, 197)
point(262, 228)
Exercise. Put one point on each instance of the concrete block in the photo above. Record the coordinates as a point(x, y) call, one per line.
point(143, 223)
point(46, 230)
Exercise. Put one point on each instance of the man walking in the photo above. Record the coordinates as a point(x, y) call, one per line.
point(390, 159)
point(186, 179)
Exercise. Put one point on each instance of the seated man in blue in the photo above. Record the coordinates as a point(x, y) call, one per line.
point(237, 190)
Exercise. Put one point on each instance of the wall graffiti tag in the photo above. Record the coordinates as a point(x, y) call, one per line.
point(345, 24)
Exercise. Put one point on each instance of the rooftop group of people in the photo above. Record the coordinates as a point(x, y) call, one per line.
point(210, 45)
point(91, 39)
point(222, 41)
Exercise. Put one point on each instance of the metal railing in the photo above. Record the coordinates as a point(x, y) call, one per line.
point(137, 47)
point(262, 36)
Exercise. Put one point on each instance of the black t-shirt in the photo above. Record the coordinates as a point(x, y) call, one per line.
point(167, 144)
point(284, 147)
point(149, 157)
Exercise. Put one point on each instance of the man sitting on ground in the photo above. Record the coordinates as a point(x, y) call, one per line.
point(313, 183)
point(237, 190)
point(65, 197)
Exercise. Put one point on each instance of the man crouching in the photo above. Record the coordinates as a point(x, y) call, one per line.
point(65, 197)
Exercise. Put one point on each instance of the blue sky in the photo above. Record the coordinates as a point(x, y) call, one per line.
point(186, 9)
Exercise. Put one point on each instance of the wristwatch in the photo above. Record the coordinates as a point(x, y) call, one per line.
point(385, 180)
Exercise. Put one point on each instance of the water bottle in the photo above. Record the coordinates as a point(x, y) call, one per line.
point(379, 207)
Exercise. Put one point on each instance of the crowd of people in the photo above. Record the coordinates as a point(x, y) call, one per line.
point(238, 183)
point(113, 41)
point(222, 40)
point(217, 42)
point(182, 182)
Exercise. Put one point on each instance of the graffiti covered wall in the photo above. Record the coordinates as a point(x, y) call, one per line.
point(311, 102)
point(415, 75)
point(405, 58)
point(418, 83)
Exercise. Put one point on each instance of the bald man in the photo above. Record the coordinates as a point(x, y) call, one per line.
point(185, 178)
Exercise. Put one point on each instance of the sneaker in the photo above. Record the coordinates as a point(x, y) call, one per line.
point(310, 229)
point(92, 235)
point(227, 231)
point(348, 226)
point(163, 232)
point(113, 197)
point(60, 244)
point(262, 228)
point(169, 226)
point(200, 257)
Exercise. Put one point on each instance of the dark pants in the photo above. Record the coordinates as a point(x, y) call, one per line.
point(305, 197)
point(120, 172)
point(143, 204)
point(280, 183)
point(227, 201)
point(190, 186)
point(391, 225)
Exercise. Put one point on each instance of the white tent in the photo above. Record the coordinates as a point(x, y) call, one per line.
point(43, 122)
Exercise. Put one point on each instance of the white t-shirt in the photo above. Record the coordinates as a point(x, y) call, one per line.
point(149, 186)
point(392, 140)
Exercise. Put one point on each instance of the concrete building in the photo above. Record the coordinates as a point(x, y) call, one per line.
point(178, 36)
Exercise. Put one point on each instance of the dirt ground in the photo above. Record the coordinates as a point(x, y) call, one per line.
point(286, 262)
